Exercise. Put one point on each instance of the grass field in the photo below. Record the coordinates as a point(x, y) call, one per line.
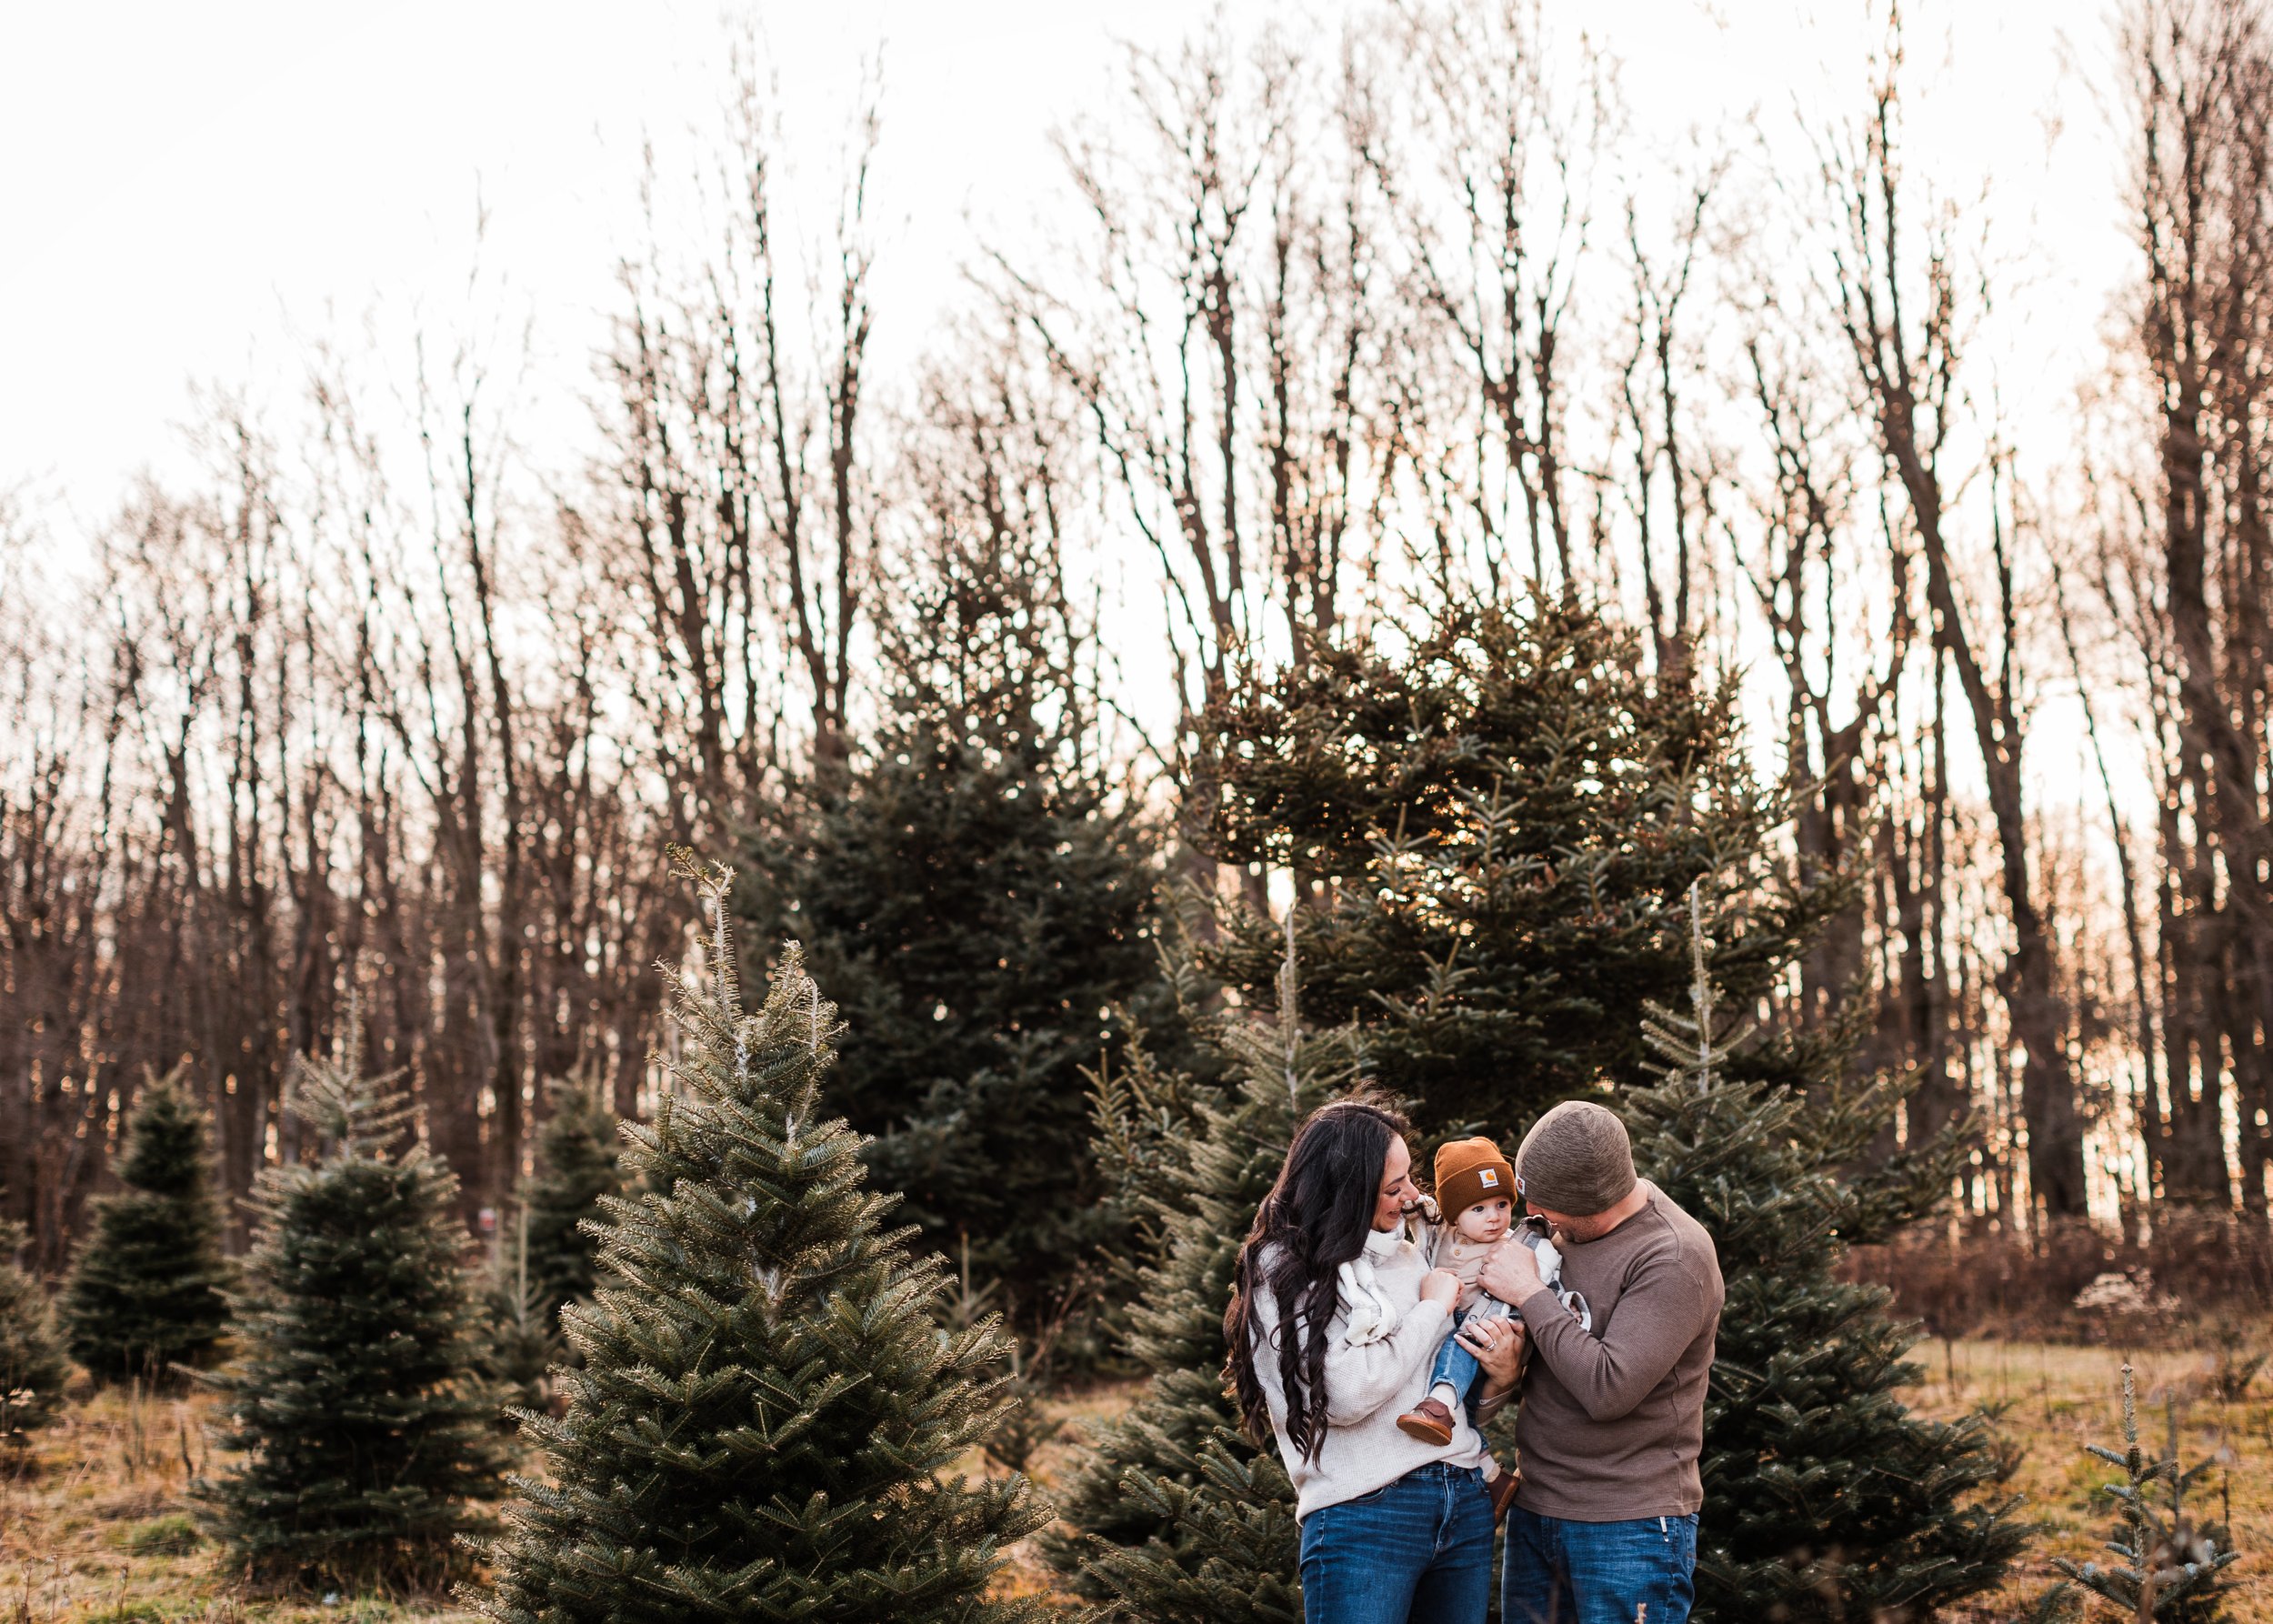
point(2057, 1399)
point(99, 1531)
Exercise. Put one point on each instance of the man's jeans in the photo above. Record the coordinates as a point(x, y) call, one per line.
point(1455, 1364)
point(1563, 1572)
point(1420, 1549)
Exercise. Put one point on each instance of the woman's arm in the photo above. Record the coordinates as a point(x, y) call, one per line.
point(1360, 1380)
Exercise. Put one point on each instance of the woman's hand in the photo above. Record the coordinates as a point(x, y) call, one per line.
point(1441, 1286)
point(1499, 1345)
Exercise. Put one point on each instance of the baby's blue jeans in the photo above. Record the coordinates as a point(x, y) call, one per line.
point(1455, 1364)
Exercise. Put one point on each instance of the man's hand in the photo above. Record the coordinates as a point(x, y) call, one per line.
point(1498, 1344)
point(1510, 1271)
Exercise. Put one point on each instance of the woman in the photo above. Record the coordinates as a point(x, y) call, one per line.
point(1393, 1528)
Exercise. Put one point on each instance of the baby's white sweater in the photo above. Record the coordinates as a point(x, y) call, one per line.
point(1366, 1389)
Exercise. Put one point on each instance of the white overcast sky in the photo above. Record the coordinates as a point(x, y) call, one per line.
point(190, 192)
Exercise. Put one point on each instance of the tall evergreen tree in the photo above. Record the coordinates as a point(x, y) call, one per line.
point(147, 1290)
point(979, 899)
point(576, 1164)
point(1175, 1516)
point(364, 1428)
point(32, 1368)
point(1824, 1498)
point(1503, 817)
point(766, 1410)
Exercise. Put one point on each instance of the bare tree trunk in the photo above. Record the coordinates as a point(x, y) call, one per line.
point(2202, 93)
point(1906, 377)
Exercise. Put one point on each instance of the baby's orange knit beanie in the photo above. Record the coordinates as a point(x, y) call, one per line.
point(1469, 1171)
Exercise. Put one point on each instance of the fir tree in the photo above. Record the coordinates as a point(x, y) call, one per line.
point(148, 1290)
point(32, 1368)
point(2170, 1571)
point(1824, 1496)
point(546, 1262)
point(1505, 817)
point(522, 1340)
point(354, 1398)
point(1176, 1516)
point(977, 898)
point(576, 1164)
point(767, 1409)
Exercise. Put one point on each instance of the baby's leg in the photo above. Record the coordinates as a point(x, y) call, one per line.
point(1486, 1308)
point(1455, 1367)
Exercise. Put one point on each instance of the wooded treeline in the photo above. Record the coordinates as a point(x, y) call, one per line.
point(1337, 333)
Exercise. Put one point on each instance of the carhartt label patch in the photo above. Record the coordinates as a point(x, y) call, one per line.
point(1491, 1178)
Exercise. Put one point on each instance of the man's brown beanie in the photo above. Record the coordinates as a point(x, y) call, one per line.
point(1576, 1161)
point(1469, 1171)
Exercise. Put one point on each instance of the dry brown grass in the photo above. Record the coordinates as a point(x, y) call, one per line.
point(2058, 1398)
point(98, 1531)
point(1050, 1466)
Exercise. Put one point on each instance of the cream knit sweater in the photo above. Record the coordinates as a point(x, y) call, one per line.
point(1367, 1387)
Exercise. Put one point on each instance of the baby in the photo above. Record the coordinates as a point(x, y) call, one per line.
point(1475, 1207)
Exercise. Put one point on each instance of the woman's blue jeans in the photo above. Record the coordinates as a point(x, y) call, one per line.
point(1417, 1550)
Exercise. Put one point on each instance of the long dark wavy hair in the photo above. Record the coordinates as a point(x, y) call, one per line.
point(1315, 1219)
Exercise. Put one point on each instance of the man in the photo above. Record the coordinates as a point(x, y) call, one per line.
point(1613, 1417)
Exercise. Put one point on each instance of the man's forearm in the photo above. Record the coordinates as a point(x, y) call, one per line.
point(1658, 1317)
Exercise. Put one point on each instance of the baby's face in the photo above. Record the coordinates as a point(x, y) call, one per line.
point(1487, 1221)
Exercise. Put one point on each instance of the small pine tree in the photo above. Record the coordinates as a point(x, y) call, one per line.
point(548, 1261)
point(147, 1293)
point(32, 1368)
point(1145, 1117)
point(1176, 1516)
point(1824, 1496)
point(767, 1409)
point(576, 1164)
point(2173, 1571)
point(522, 1333)
point(354, 1399)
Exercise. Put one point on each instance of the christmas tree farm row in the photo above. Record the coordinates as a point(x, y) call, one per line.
point(1522, 872)
point(763, 1413)
point(753, 1370)
point(762, 1369)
